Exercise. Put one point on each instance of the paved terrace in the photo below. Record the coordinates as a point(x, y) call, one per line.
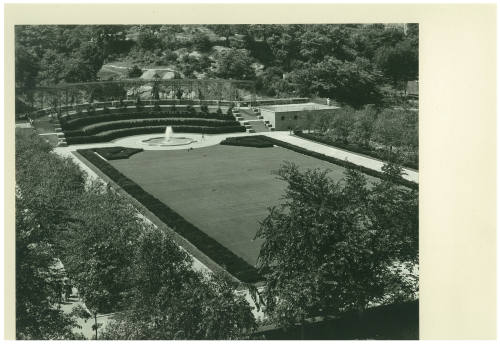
point(208, 140)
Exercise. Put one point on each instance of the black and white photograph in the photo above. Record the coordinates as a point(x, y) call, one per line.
point(217, 181)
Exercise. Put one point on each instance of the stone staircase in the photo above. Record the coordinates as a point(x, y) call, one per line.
point(252, 122)
point(60, 134)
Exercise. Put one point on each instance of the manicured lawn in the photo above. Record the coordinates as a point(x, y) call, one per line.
point(223, 190)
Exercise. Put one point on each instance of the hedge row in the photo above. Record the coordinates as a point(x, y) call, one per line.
point(77, 123)
point(250, 141)
point(118, 152)
point(340, 162)
point(108, 126)
point(374, 153)
point(119, 133)
point(220, 254)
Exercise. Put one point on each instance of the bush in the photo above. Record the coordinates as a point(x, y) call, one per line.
point(190, 110)
point(134, 72)
point(113, 153)
point(250, 141)
point(138, 103)
point(220, 254)
point(68, 124)
point(119, 133)
point(107, 126)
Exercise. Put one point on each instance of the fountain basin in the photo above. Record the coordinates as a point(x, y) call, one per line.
point(171, 141)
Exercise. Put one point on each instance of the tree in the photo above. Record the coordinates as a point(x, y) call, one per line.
point(399, 63)
point(201, 42)
point(389, 128)
point(363, 125)
point(50, 185)
point(354, 83)
point(234, 64)
point(171, 301)
point(37, 313)
point(97, 247)
point(134, 72)
point(325, 253)
point(343, 124)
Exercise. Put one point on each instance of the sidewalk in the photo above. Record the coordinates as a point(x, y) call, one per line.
point(367, 162)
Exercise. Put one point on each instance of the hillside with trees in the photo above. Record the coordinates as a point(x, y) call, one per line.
point(354, 64)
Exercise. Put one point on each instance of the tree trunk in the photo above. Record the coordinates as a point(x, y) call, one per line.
point(95, 324)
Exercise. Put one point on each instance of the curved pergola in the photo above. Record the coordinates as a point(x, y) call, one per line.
point(198, 91)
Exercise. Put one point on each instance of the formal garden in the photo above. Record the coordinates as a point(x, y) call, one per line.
point(248, 236)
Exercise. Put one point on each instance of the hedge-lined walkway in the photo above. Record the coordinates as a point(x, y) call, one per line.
point(367, 162)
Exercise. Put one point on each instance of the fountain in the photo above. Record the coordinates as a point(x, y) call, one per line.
point(168, 139)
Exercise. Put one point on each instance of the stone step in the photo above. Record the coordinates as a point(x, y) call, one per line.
point(60, 135)
point(239, 118)
point(251, 130)
point(58, 129)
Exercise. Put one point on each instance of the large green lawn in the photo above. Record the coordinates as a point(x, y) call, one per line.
point(223, 190)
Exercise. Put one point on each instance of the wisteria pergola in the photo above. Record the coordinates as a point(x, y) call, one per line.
point(68, 94)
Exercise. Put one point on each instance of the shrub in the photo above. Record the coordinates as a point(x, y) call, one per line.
point(75, 124)
point(204, 109)
point(220, 254)
point(219, 111)
point(134, 72)
point(138, 103)
point(250, 141)
point(113, 153)
point(119, 133)
point(106, 126)
point(190, 110)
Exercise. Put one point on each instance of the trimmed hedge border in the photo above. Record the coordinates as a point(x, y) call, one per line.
point(213, 249)
point(77, 123)
point(258, 141)
point(119, 133)
point(133, 123)
point(118, 152)
point(343, 163)
point(353, 148)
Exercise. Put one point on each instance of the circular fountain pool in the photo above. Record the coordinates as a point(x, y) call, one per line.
point(168, 139)
point(172, 141)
